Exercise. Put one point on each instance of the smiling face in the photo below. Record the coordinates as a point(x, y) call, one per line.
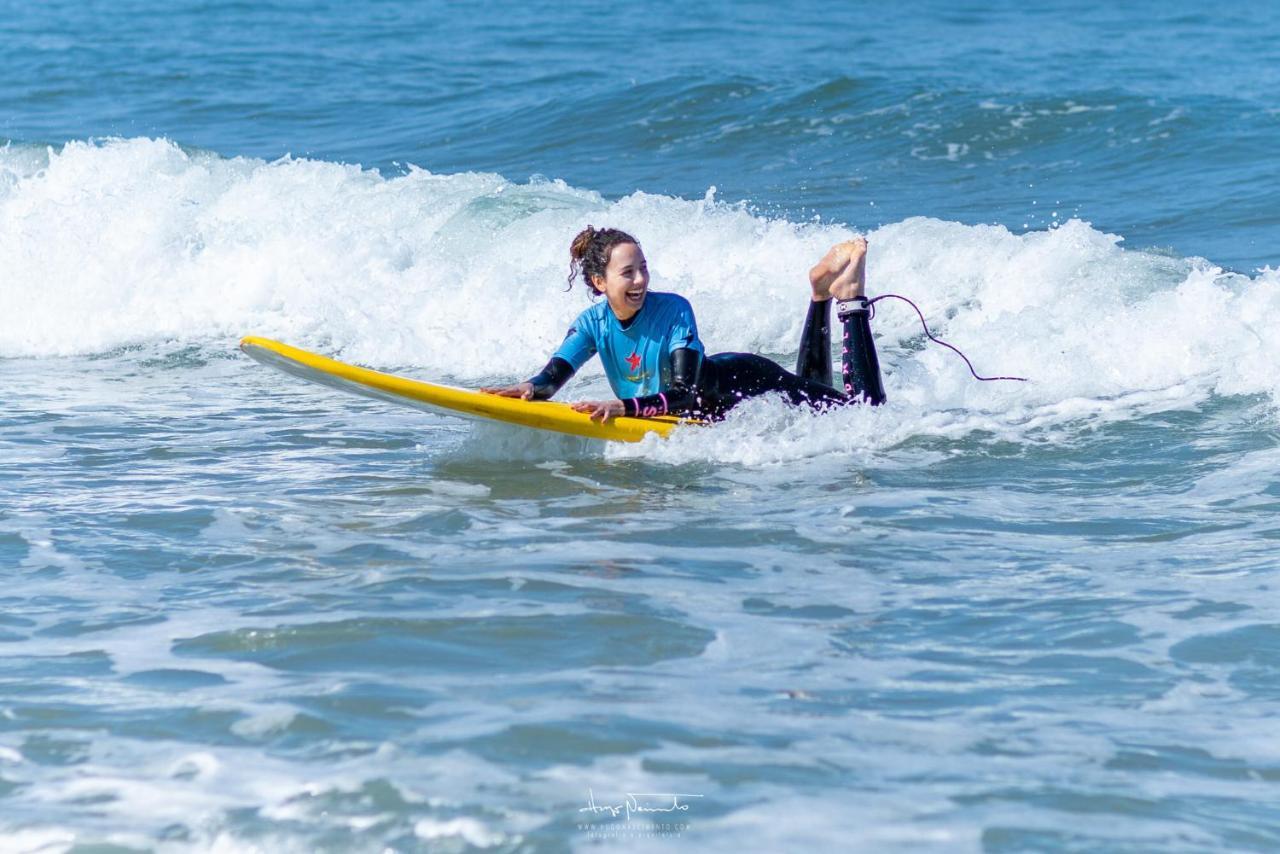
point(625, 282)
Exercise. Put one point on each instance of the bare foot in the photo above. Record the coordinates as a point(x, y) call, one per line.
point(852, 280)
point(836, 262)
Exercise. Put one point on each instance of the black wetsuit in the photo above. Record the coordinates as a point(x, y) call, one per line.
point(710, 387)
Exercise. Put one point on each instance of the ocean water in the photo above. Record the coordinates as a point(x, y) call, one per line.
point(243, 613)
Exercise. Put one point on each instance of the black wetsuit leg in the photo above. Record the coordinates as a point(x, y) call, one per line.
point(814, 361)
point(858, 358)
point(729, 378)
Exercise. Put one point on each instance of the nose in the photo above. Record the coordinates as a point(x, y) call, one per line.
point(642, 278)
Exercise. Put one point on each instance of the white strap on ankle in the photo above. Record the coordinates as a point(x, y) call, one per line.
point(849, 307)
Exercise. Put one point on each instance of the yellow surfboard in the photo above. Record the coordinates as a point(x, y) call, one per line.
point(448, 400)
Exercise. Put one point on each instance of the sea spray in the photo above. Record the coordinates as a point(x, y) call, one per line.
point(138, 242)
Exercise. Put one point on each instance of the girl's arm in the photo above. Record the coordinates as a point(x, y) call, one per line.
point(578, 346)
point(682, 398)
point(542, 385)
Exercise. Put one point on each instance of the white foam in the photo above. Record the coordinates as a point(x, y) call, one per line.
point(269, 721)
point(197, 765)
point(497, 441)
point(461, 277)
point(468, 830)
point(39, 841)
point(459, 489)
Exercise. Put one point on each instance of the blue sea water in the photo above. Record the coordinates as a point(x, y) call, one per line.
point(247, 614)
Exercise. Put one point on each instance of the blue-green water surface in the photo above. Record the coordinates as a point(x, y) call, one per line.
point(242, 613)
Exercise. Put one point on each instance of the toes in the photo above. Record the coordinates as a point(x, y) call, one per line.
point(834, 261)
point(838, 265)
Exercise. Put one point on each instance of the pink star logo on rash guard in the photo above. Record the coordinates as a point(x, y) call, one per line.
point(633, 360)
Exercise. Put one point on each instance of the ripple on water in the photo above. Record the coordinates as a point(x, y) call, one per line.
point(174, 679)
point(14, 549)
point(1252, 653)
point(56, 668)
point(1181, 759)
point(1258, 644)
point(581, 742)
point(498, 644)
point(101, 623)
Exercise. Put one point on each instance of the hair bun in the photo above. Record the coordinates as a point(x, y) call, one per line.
point(582, 243)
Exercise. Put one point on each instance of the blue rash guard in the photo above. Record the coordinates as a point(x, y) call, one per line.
point(637, 357)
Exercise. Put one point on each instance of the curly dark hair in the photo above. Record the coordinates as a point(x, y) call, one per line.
point(590, 250)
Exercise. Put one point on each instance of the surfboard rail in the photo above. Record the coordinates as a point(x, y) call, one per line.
point(450, 400)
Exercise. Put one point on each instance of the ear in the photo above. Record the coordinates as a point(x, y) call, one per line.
point(597, 282)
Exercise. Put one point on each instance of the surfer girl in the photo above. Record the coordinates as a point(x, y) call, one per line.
point(655, 362)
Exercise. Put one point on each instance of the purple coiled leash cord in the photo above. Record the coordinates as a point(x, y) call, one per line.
point(937, 340)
